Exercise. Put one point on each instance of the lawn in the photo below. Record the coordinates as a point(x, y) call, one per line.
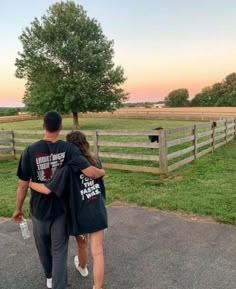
point(100, 123)
point(206, 187)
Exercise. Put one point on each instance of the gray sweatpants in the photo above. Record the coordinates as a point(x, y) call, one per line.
point(51, 239)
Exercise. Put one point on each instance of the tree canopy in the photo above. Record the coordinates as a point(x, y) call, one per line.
point(219, 94)
point(177, 98)
point(68, 65)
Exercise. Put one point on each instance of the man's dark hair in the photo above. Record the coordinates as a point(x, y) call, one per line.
point(52, 121)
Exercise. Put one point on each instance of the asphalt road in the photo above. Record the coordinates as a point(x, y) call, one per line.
point(144, 249)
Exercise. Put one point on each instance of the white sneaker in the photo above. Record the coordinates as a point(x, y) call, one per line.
point(49, 282)
point(83, 271)
point(94, 287)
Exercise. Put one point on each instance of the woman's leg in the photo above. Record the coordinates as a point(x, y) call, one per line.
point(82, 251)
point(98, 258)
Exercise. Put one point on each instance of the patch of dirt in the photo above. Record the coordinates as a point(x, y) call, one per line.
point(177, 178)
point(3, 219)
point(195, 218)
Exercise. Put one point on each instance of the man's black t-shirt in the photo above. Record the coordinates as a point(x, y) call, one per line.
point(39, 162)
point(85, 200)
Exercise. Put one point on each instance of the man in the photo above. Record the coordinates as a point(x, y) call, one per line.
point(38, 163)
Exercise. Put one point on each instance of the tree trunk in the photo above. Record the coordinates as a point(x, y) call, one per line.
point(75, 120)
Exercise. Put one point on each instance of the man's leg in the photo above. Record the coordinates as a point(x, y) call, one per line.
point(60, 238)
point(42, 236)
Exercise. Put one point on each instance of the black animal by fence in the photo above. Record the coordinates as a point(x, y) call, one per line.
point(155, 138)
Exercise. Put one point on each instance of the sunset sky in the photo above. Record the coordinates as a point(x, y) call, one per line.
point(161, 44)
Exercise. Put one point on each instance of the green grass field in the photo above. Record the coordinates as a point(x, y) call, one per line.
point(100, 123)
point(206, 187)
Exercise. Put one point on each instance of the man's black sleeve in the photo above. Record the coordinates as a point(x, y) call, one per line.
point(24, 167)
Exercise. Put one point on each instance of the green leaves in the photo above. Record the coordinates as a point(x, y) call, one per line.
point(67, 62)
point(177, 98)
point(219, 94)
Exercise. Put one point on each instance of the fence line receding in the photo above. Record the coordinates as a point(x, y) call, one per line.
point(132, 150)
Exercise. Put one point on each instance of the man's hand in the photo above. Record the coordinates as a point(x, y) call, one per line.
point(17, 217)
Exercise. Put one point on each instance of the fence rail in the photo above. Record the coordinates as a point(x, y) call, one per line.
point(132, 150)
point(17, 118)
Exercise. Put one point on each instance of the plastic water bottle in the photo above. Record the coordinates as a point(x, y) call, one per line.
point(24, 229)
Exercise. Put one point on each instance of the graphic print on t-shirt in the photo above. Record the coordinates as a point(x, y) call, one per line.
point(48, 164)
point(90, 190)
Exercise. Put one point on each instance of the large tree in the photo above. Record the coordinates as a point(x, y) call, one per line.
point(177, 98)
point(68, 64)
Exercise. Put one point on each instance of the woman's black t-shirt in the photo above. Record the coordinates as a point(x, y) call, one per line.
point(85, 199)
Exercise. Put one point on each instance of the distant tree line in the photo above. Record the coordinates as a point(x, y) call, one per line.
point(146, 104)
point(7, 111)
point(219, 94)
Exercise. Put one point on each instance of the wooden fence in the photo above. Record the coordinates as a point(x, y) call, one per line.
point(20, 117)
point(132, 150)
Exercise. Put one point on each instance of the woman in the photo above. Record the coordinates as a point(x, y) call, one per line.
point(86, 208)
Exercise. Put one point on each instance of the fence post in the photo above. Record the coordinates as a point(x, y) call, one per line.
point(194, 142)
point(13, 144)
point(213, 127)
point(95, 144)
point(226, 132)
point(163, 152)
point(235, 127)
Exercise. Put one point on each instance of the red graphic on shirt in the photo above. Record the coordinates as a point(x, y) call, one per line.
point(47, 165)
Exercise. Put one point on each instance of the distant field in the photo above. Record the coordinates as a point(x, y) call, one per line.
point(100, 123)
point(182, 109)
point(184, 113)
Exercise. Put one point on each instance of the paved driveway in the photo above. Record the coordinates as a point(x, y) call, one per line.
point(144, 248)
